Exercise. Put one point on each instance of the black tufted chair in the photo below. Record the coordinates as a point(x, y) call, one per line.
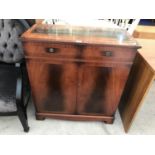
point(14, 87)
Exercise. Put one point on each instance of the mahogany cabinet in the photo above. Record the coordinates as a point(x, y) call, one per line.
point(77, 73)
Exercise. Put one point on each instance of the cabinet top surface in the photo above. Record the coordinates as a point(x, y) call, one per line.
point(79, 35)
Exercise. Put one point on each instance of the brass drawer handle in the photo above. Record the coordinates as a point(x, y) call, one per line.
point(51, 50)
point(107, 53)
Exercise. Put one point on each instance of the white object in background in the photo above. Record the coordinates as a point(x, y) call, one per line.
point(50, 21)
point(127, 24)
point(86, 22)
point(133, 26)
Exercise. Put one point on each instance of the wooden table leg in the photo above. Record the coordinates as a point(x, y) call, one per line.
point(138, 84)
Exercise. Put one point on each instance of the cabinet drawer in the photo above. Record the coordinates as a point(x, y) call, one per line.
point(109, 53)
point(50, 50)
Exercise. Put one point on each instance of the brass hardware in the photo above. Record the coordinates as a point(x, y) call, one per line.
point(107, 53)
point(51, 50)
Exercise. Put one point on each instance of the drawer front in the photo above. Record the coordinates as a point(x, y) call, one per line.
point(50, 50)
point(108, 53)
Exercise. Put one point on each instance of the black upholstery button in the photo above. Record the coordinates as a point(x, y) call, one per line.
point(5, 45)
point(11, 55)
point(13, 25)
point(15, 46)
point(1, 54)
point(9, 35)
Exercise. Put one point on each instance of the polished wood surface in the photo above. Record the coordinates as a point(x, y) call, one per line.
point(100, 89)
point(79, 35)
point(116, 54)
point(139, 83)
point(81, 80)
point(42, 50)
point(53, 86)
point(106, 119)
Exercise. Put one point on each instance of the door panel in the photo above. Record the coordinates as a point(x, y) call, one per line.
point(100, 89)
point(139, 82)
point(53, 86)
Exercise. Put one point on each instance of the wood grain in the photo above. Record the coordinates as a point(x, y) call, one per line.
point(106, 119)
point(79, 39)
point(138, 84)
point(100, 89)
point(83, 79)
point(117, 53)
point(53, 86)
point(39, 49)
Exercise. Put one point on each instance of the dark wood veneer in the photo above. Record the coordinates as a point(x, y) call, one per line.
point(74, 80)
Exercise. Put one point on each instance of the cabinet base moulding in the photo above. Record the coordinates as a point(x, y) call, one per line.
point(105, 119)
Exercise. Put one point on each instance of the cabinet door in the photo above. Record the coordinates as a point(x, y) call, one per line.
point(54, 86)
point(100, 89)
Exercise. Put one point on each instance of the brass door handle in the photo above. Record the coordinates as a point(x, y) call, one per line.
point(51, 50)
point(107, 53)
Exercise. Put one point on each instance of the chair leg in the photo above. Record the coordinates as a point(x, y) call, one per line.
point(28, 98)
point(23, 119)
point(21, 110)
point(25, 114)
point(24, 111)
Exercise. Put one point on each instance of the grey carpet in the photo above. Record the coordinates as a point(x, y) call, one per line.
point(143, 124)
